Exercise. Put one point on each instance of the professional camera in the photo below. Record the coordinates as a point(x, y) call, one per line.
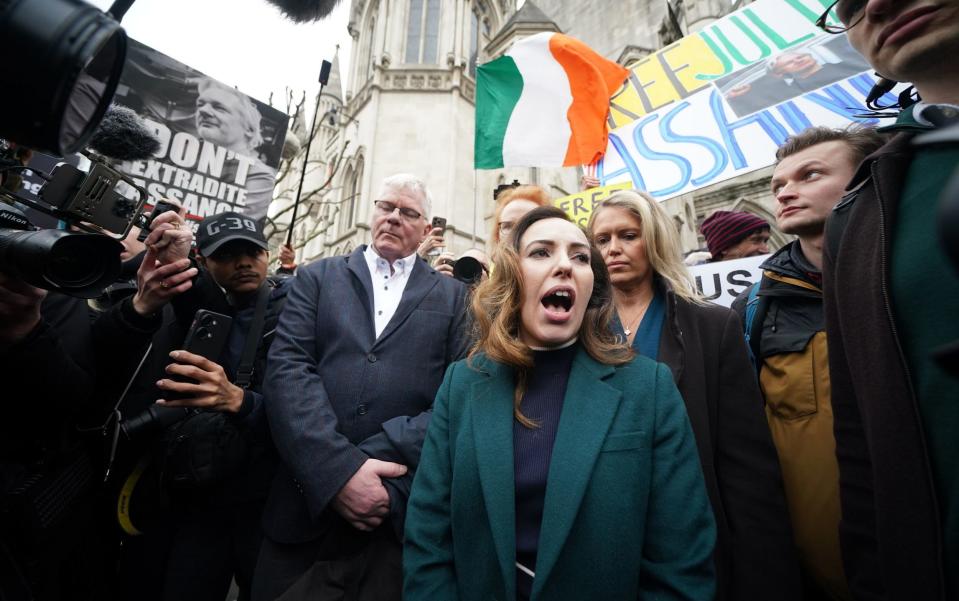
point(103, 202)
point(466, 269)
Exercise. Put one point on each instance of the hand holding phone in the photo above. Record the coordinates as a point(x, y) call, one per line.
point(439, 228)
point(200, 381)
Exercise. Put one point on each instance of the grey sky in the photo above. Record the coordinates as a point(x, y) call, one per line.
point(243, 43)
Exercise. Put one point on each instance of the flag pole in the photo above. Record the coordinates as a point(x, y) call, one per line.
point(324, 78)
point(475, 205)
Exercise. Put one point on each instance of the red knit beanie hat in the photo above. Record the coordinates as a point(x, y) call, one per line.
point(724, 229)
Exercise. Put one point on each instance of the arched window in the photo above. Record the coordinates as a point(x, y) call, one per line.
point(479, 34)
point(351, 197)
point(370, 55)
point(423, 32)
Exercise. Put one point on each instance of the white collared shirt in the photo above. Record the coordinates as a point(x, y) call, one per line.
point(388, 286)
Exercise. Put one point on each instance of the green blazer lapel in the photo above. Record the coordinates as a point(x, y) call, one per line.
point(491, 407)
point(588, 410)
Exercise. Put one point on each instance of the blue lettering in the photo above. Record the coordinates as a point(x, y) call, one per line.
point(776, 132)
point(836, 99)
point(795, 118)
point(720, 160)
point(645, 151)
point(630, 165)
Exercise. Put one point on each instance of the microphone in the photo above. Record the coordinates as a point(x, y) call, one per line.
point(123, 136)
point(304, 11)
point(882, 87)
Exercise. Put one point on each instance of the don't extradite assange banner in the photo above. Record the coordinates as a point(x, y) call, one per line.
point(219, 148)
point(719, 102)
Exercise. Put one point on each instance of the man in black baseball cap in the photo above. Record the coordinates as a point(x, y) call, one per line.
point(215, 529)
point(219, 229)
point(234, 251)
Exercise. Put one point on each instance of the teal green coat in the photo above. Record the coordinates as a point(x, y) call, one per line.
point(626, 514)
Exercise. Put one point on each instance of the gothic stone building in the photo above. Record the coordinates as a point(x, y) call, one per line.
point(408, 106)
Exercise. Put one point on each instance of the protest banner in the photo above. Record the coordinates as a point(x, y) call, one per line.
point(741, 39)
point(219, 149)
point(580, 206)
point(718, 103)
point(721, 282)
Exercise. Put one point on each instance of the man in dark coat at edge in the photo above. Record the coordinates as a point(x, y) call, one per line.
point(892, 311)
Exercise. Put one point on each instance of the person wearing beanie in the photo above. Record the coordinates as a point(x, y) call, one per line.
point(735, 235)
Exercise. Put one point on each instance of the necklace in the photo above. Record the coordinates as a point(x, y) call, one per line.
point(635, 321)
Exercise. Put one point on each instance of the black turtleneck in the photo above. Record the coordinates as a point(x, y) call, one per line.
point(533, 448)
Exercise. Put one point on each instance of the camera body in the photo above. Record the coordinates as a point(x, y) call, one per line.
point(103, 202)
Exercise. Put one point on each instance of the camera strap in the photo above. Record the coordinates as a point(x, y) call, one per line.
point(244, 373)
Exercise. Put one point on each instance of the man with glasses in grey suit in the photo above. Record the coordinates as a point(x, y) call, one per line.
point(360, 350)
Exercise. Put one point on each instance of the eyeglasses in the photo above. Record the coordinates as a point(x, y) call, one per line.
point(388, 207)
point(849, 12)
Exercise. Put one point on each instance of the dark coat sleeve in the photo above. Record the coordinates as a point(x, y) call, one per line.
point(428, 549)
point(42, 378)
point(857, 524)
point(761, 547)
point(302, 420)
point(121, 337)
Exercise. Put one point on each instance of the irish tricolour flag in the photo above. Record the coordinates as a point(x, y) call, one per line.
point(544, 104)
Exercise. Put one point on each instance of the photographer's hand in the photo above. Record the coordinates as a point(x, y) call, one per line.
point(213, 390)
point(170, 238)
point(433, 240)
point(19, 309)
point(158, 283)
point(444, 264)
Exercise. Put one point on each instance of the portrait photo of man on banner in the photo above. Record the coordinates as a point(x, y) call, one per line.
point(219, 148)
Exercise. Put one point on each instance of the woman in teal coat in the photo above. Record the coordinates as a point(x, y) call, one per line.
point(557, 465)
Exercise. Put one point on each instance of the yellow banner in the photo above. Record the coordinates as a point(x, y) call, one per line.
point(751, 35)
point(580, 206)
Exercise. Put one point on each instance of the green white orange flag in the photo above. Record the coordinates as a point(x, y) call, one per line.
point(544, 104)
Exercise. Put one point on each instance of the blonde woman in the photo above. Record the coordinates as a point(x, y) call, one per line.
point(557, 464)
point(661, 316)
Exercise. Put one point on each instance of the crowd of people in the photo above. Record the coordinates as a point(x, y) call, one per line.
point(572, 420)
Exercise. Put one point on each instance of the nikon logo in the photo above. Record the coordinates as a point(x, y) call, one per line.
point(9, 219)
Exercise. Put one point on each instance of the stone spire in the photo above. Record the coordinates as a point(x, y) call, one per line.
point(334, 87)
point(528, 20)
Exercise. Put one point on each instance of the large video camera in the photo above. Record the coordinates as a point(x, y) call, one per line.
point(103, 203)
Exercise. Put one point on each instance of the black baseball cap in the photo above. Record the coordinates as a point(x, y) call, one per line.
point(216, 230)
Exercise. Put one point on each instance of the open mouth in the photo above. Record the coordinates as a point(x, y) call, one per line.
point(558, 303)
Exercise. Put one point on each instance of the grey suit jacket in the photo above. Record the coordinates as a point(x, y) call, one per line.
point(337, 395)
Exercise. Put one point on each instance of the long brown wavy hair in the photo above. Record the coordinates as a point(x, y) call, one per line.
point(497, 305)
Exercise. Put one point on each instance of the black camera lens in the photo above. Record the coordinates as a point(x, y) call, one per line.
point(72, 54)
point(468, 270)
point(203, 334)
point(208, 320)
point(80, 265)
